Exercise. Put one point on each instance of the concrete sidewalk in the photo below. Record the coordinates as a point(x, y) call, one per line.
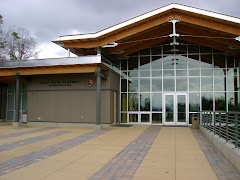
point(148, 152)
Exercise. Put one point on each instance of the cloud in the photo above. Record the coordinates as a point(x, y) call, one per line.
point(47, 20)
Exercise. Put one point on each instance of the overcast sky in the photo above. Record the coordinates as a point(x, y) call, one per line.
point(49, 19)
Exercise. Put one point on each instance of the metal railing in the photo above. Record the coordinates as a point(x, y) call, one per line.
point(224, 124)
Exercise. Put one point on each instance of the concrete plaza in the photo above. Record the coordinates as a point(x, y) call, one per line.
point(136, 152)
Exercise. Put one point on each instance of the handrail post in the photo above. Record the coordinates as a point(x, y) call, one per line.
point(236, 130)
point(220, 126)
point(227, 135)
point(214, 124)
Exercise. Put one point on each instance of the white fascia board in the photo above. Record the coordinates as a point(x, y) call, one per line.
point(147, 15)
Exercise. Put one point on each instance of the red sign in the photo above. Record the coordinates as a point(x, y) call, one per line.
point(90, 82)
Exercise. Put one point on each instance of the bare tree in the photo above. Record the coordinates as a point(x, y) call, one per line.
point(16, 44)
point(20, 45)
point(2, 41)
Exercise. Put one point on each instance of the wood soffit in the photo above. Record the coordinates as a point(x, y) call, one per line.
point(190, 24)
point(9, 72)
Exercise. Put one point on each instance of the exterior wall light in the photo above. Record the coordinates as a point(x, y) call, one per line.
point(237, 38)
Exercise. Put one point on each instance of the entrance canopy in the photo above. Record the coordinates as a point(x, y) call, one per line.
point(194, 25)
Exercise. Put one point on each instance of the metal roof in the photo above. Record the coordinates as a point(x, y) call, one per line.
point(51, 62)
point(147, 15)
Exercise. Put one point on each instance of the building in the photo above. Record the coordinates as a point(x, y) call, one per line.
point(162, 67)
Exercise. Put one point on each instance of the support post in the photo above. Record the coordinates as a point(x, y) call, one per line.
point(17, 97)
point(98, 115)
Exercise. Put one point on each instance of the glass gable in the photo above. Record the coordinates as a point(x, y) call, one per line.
point(209, 78)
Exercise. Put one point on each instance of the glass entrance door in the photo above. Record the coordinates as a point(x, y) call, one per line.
point(175, 109)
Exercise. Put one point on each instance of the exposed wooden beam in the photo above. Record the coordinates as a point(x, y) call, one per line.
point(208, 43)
point(85, 51)
point(120, 35)
point(183, 30)
point(209, 24)
point(140, 39)
point(141, 46)
point(52, 70)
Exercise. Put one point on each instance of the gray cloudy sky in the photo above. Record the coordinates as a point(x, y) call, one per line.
point(48, 19)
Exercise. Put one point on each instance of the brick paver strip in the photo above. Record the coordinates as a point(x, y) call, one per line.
point(5, 124)
point(125, 164)
point(5, 147)
point(221, 166)
point(30, 158)
point(24, 133)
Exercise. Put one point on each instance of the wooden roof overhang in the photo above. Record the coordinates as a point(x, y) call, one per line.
point(195, 26)
point(49, 66)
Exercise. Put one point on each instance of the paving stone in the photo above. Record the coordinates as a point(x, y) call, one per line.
point(5, 147)
point(30, 158)
point(221, 166)
point(130, 158)
point(24, 133)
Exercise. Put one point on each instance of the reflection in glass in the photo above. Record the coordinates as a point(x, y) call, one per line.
point(133, 73)
point(124, 118)
point(133, 85)
point(145, 102)
point(123, 85)
point(124, 64)
point(144, 73)
point(10, 115)
point(168, 72)
point(181, 84)
point(133, 63)
point(194, 102)
point(233, 101)
point(132, 102)
point(156, 62)
point(181, 72)
point(220, 101)
point(156, 50)
point(169, 103)
point(145, 118)
point(11, 102)
point(168, 84)
point(219, 60)
point(123, 102)
point(145, 63)
point(156, 118)
point(156, 84)
point(168, 62)
point(194, 84)
point(133, 118)
point(230, 61)
point(157, 73)
point(144, 84)
point(232, 83)
point(145, 51)
point(219, 72)
point(207, 83)
point(156, 102)
point(220, 83)
point(207, 101)
point(193, 62)
point(193, 48)
point(207, 72)
point(195, 72)
point(206, 61)
point(181, 105)
point(181, 62)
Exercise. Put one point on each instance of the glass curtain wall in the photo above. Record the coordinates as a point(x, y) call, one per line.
point(209, 77)
point(11, 101)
